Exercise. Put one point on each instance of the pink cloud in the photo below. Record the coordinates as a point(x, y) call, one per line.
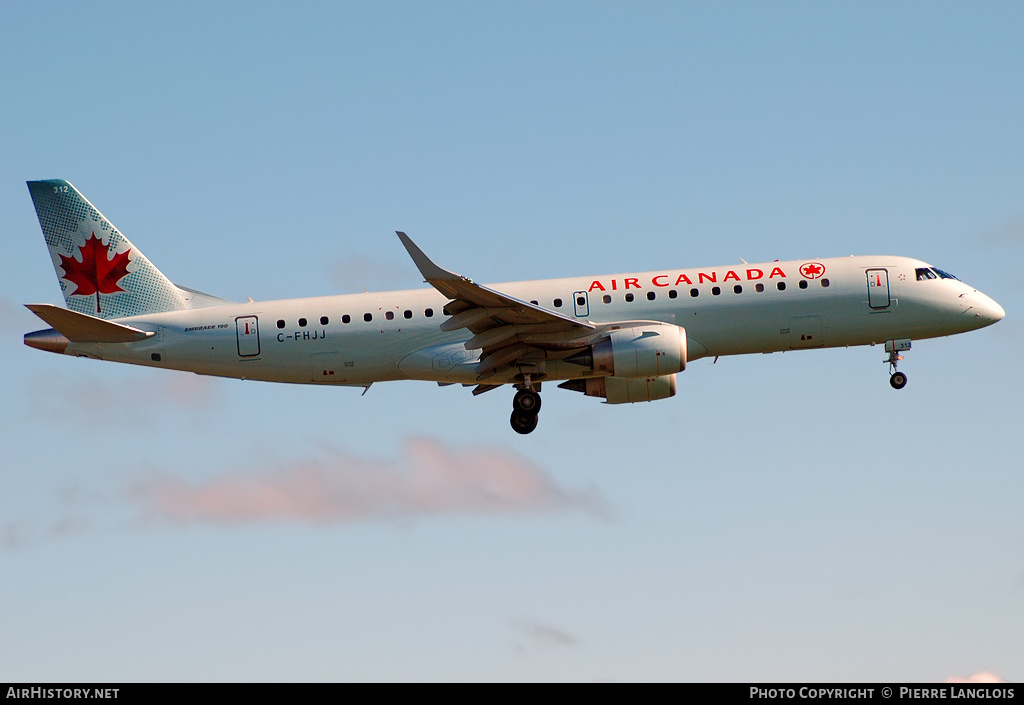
point(427, 478)
point(983, 677)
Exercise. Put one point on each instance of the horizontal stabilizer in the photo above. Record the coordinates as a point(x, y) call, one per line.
point(80, 328)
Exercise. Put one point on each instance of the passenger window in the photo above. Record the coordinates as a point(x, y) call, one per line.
point(429, 313)
point(280, 324)
point(650, 296)
point(759, 287)
point(672, 293)
point(346, 318)
point(607, 299)
point(581, 301)
point(390, 315)
point(803, 283)
point(324, 320)
point(629, 297)
point(535, 303)
point(824, 283)
point(407, 313)
point(781, 286)
point(737, 289)
point(558, 303)
point(715, 291)
point(694, 293)
point(367, 317)
point(302, 323)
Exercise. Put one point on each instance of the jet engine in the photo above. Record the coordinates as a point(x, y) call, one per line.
point(638, 362)
point(636, 351)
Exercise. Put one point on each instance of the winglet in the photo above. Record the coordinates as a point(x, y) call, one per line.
point(467, 294)
point(430, 271)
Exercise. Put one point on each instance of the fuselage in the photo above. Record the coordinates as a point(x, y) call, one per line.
point(359, 339)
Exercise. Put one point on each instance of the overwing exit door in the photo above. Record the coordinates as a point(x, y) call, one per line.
point(581, 304)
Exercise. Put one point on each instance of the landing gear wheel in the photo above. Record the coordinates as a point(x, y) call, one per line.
point(898, 380)
point(526, 402)
point(523, 423)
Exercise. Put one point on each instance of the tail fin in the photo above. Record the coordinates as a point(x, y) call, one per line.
point(101, 273)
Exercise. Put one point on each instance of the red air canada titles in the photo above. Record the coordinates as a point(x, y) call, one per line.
point(665, 280)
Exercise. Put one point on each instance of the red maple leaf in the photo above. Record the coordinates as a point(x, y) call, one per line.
point(95, 273)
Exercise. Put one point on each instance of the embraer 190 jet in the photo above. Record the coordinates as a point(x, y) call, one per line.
point(619, 337)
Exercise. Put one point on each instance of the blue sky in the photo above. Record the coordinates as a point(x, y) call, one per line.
point(785, 517)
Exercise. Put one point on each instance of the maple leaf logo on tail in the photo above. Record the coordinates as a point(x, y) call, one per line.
point(95, 273)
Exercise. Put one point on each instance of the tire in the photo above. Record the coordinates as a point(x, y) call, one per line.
point(523, 423)
point(526, 402)
point(898, 380)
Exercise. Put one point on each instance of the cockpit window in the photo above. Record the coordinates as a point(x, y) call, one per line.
point(945, 275)
point(925, 273)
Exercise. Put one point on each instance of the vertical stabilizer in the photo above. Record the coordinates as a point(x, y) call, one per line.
point(101, 273)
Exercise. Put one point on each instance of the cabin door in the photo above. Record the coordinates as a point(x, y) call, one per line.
point(247, 330)
point(878, 288)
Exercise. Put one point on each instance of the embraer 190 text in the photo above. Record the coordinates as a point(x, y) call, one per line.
point(620, 337)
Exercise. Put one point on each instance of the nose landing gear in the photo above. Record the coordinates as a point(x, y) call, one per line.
point(898, 380)
point(525, 408)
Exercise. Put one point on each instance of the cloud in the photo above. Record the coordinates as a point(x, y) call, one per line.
point(983, 677)
point(544, 634)
point(11, 318)
point(19, 534)
point(1008, 234)
point(135, 400)
point(428, 478)
point(356, 272)
point(12, 535)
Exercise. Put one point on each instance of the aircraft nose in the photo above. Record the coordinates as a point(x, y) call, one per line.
point(988, 309)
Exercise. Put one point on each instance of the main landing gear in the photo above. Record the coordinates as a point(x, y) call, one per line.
point(525, 408)
point(898, 380)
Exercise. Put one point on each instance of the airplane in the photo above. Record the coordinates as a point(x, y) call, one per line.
point(621, 337)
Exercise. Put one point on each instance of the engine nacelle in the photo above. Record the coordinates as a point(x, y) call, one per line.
point(638, 362)
point(623, 390)
point(637, 351)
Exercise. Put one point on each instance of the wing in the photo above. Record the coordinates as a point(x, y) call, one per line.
point(508, 332)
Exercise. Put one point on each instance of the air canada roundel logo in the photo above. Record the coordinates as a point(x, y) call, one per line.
point(812, 270)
